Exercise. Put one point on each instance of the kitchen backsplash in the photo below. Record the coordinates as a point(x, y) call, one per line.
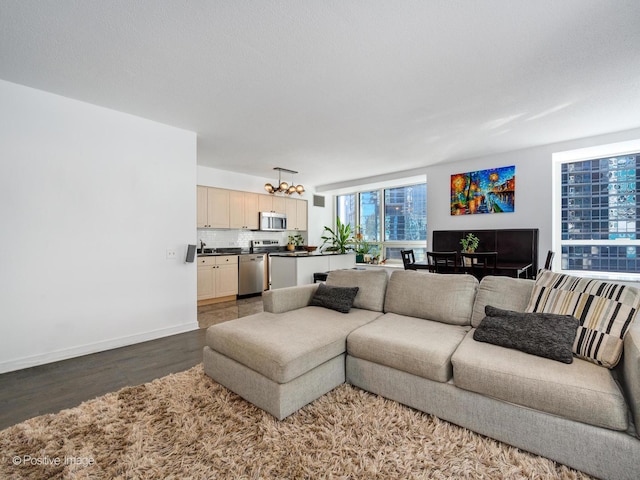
point(238, 238)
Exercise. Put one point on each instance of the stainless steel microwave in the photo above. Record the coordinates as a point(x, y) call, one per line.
point(273, 222)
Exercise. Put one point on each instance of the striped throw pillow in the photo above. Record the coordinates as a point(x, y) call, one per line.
point(605, 311)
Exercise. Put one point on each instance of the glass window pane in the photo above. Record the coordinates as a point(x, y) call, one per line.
point(405, 213)
point(346, 209)
point(370, 216)
point(392, 254)
point(600, 202)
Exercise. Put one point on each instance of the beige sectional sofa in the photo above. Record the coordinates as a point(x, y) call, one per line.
point(411, 339)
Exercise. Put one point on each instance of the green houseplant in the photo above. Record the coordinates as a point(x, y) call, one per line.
point(362, 248)
point(294, 241)
point(339, 240)
point(470, 243)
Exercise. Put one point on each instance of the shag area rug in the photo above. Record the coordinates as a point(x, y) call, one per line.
point(188, 426)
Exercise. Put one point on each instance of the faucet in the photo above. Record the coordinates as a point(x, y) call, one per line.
point(202, 245)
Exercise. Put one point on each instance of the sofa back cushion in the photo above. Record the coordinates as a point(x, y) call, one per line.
point(432, 296)
point(605, 311)
point(372, 285)
point(501, 292)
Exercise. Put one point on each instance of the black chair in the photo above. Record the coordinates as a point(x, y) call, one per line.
point(408, 259)
point(320, 277)
point(480, 264)
point(443, 262)
point(549, 261)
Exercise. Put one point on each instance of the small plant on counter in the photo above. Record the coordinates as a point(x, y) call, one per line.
point(296, 240)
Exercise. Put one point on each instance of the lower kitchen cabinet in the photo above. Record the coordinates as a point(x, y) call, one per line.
point(217, 278)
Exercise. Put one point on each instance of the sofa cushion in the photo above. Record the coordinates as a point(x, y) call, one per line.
point(501, 292)
point(580, 391)
point(284, 346)
point(372, 285)
point(605, 311)
point(410, 344)
point(544, 334)
point(446, 298)
point(631, 372)
point(339, 299)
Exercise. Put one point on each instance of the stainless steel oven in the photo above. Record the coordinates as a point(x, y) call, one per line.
point(273, 222)
point(267, 247)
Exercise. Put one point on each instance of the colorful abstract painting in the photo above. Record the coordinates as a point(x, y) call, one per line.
point(483, 191)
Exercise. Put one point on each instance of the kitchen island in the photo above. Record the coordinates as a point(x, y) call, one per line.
point(297, 268)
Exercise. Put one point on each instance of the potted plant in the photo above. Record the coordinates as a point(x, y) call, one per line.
point(363, 249)
point(339, 240)
point(470, 243)
point(294, 241)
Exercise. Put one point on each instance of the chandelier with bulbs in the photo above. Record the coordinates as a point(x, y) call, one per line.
point(284, 187)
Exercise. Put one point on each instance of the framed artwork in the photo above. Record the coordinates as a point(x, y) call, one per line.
point(483, 191)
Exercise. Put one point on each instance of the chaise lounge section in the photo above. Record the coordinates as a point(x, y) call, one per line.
point(411, 340)
point(292, 353)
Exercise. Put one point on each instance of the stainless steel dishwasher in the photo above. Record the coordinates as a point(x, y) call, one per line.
point(251, 274)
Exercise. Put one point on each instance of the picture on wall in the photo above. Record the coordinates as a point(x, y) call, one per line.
point(484, 191)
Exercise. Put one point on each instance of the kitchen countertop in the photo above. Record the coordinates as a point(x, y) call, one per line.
point(301, 254)
point(222, 253)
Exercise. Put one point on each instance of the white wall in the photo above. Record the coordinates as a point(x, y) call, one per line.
point(533, 200)
point(90, 201)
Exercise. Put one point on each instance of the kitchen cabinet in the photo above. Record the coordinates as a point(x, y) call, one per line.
point(212, 207)
point(296, 214)
point(271, 203)
point(217, 277)
point(243, 210)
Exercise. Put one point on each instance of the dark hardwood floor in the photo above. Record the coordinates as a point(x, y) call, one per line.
point(55, 386)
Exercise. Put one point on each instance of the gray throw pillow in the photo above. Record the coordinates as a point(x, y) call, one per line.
point(543, 334)
point(335, 298)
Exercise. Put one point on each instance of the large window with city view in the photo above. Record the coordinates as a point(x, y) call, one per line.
point(387, 220)
point(599, 214)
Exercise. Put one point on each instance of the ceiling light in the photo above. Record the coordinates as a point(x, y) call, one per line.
point(284, 187)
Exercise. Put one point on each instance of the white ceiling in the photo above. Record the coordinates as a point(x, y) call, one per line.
point(339, 89)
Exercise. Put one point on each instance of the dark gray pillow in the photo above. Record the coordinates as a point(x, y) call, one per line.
point(335, 298)
point(543, 334)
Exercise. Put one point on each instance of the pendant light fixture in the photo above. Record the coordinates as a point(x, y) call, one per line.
point(284, 187)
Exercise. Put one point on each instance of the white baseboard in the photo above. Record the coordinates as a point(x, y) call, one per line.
point(55, 356)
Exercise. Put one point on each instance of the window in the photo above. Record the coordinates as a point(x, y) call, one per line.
point(346, 209)
point(370, 216)
point(402, 226)
point(599, 214)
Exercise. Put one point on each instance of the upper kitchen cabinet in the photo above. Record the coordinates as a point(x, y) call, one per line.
point(269, 203)
point(244, 210)
point(212, 207)
point(296, 214)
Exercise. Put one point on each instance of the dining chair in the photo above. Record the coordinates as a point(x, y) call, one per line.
point(480, 264)
point(408, 259)
point(443, 262)
point(549, 261)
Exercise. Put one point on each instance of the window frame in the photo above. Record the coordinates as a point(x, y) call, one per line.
point(383, 244)
point(584, 154)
